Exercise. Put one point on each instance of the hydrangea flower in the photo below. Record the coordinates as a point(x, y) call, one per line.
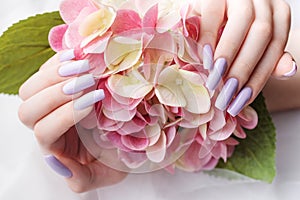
point(145, 57)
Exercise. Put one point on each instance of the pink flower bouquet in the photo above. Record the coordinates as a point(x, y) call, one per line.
point(157, 110)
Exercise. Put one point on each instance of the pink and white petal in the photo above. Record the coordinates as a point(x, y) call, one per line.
point(184, 12)
point(144, 6)
point(225, 132)
point(97, 64)
point(203, 131)
point(153, 132)
point(211, 164)
point(170, 133)
point(128, 87)
point(70, 9)
point(150, 20)
point(56, 35)
point(193, 27)
point(115, 139)
point(248, 118)
point(218, 121)
point(157, 152)
point(126, 20)
point(133, 160)
point(72, 37)
point(190, 161)
point(239, 132)
point(135, 143)
point(101, 140)
point(231, 142)
point(98, 45)
point(120, 115)
point(167, 22)
point(133, 126)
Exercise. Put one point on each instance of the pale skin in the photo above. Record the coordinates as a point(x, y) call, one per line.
point(253, 40)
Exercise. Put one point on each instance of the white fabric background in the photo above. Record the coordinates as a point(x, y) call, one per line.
point(24, 175)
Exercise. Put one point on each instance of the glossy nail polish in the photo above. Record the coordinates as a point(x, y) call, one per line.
point(216, 74)
point(79, 84)
point(208, 61)
point(292, 72)
point(74, 68)
point(240, 101)
point(67, 55)
point(89, 99)
point(226, 94)
point(57, 166)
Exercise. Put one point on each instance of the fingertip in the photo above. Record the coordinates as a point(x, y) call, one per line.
point(286, 67)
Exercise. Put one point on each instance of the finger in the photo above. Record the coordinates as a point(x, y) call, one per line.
point(52, 73)
point(91, 176)
point(270, 59)
point(240, 17)
point(50, 128)
point(212, 17)
point(285, 68)
point(53, 97)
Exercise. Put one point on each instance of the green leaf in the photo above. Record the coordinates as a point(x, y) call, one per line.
point(255, 155)
point(24, 47)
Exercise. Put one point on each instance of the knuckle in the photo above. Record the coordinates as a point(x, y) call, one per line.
point(39, 132)
point(265, 29)
point(245, 12)
point(23, 115)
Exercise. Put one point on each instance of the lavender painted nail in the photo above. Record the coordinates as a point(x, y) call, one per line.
point(226, 94)
point(292, 72)
point(89, 99)
point(58, 167)
point(208, 61)
point(79, 84)
point(67, 55)
point(74, 68)
point(240, 101)
point(215, 76)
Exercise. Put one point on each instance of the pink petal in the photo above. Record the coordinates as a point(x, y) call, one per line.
point(248, 118)
point(225, 132)
point(239, 132)
point(133, 126)
point(150, 19)
point(126, 20)
point(107, 124)
point(168, 21)
point(120, 115)
point(101, 140)
point(56, 35)
point(97, 64)
point(70, 9)
point(72, 37)
point(184, 12)
point(133, 160)
point(170, 133)
point(99, 44)
point(115, 139)
point(211, 164)
point(193, 27)
point(190, 161)
point(156, 153)
point(135, 143)
point(218, 121)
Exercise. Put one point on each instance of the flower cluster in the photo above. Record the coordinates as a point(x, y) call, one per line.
point(147, 60)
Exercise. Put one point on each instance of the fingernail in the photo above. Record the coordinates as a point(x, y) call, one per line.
point(58, 167)
point(89, 99)
point(240, 101)
point(226, 94)
point(216, 74)
point(67, 55)
point(74, 68)
point(79, 84)
point(292, 72)
point(208, 57)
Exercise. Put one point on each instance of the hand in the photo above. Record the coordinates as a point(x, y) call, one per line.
point(252, 43)
point(49, 110)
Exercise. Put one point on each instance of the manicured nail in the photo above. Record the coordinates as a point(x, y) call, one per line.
point(89, 99)
point(292, 72)
point(58, 167)
point(226, 94)
point(240, 101)
point(67, 55)
point(79, 84)
point(74, 68)
point(208, 61)
point(216, 74)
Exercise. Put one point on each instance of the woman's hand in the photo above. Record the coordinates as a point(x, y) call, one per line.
point(252, 43)
point(49, 110)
